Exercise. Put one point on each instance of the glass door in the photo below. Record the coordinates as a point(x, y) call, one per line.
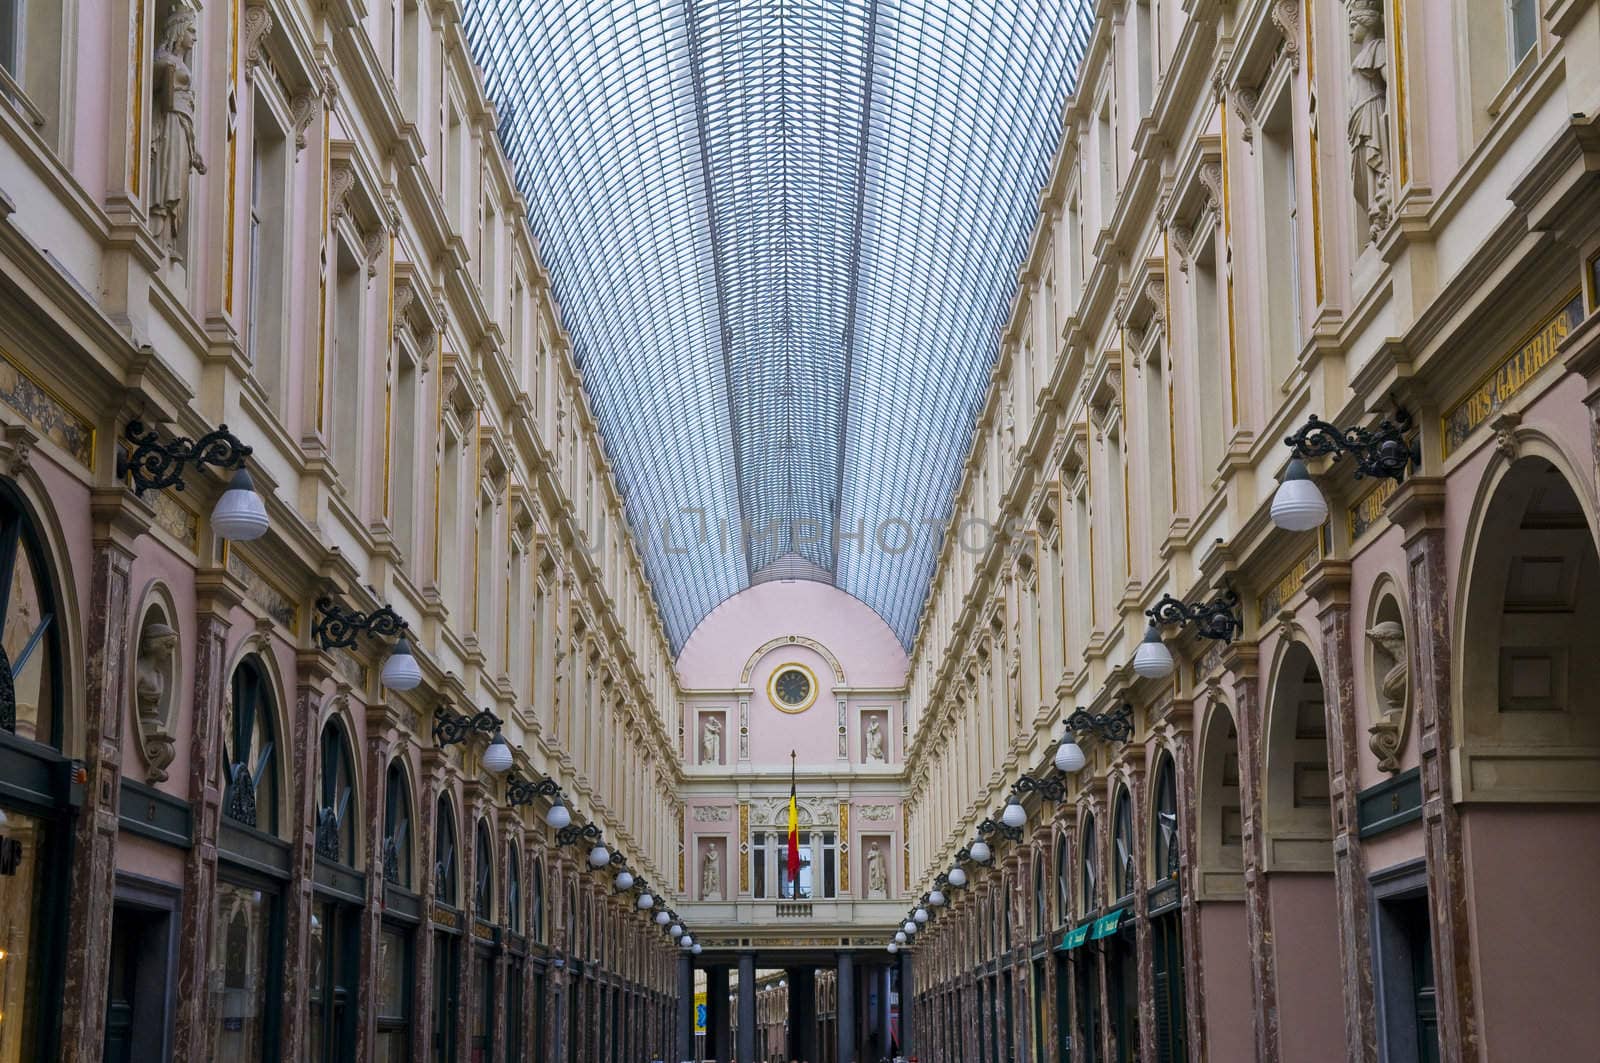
point(335, 941)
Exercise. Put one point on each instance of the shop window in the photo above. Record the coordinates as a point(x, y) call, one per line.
point(1040, 913)
point(246, 953)
point(251, 792)
point(397, 825)
point(483, 874)
point(444, 854)
point(30, 648)
point(1122, 871)
point(24, 899)
point(394, 995)
point(1164, 824)
point(536, 891)
point(336, 829)
point(1089, 886)
point(446, 980)
point(1063, 883)
point(513, 891)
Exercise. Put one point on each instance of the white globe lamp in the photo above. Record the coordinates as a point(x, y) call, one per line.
point(1069, 757)
point(1014, 815)
point(625, 880)
point(920, 916)
point(599, 856)
point(1152, 659)
point(497, 758)
point(936, 898)
point(958, 877)
point(400, 671)
point(239, 514)
point(980, 852)
point(1297, 504)
point(646, 902)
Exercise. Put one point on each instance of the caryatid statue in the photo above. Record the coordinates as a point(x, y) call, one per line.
point(174, 148)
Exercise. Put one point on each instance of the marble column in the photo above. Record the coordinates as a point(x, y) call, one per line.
point(382, 736)
point(685, 1008)
point(217, 593)
point(119, 519)
point(880, 979)
point(747, 1007)
point(301, 751)
point(1328, 584)
point(908, 1043)
point(1242, 662)
point(803, 1013)
point(845, 1009)
point(1417, 506)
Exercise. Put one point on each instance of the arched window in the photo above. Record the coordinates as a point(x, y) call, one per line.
point(1041, 913)
point(1164, 824)
point(1122, 845)
point(1090, 886)
point(336, 826)
point(513, 889)
point(30, 636)
point(537, 886)
point(397, 825)
point(251, 792)
point(1063, 882)
point(444, 853)
point(483, 873)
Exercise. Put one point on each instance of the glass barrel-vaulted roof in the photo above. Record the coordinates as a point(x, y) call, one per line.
point(784, 235)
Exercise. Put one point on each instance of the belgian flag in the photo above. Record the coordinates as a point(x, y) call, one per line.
point(794, 834)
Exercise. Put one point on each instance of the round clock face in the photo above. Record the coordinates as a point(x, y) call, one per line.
point(793, 689)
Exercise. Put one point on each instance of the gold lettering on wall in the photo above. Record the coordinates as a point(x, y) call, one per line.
point(1289, 583)
point(1532, 354)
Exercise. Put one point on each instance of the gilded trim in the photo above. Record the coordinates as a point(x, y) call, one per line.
point(1403, 136)
point(230, 214)
point(1227, 236)
point(744, 847)
point(136, 163)
point(388, 385)
point(1316, 165)
point(322, 279)
point(844, 846)
point(47, 412)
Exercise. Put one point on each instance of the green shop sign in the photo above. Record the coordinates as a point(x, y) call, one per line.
point(1106, 925)
point(1075, 937)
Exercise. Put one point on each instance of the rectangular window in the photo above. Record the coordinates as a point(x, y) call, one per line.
point(1281, 213)
point(1107, 150)
point(830, 864)
point(403, 439)
point(242, 940)
point(1145, 30)
point(1522, 27)
point(758, 864)
point(1215, 414)
point(394, 995)
point(349, 290)
point(798, 888)
point(267, 236)
point(11, 37)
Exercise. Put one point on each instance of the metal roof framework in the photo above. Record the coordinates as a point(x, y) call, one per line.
point(784, 235)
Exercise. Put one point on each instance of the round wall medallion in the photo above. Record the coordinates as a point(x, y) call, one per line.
point(792, 687)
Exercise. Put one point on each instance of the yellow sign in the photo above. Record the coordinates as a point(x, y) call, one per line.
point(1365, 513)
point(699, 1013)
point(1511, 375)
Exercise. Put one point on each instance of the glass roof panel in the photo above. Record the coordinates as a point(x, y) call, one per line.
point(784, 235)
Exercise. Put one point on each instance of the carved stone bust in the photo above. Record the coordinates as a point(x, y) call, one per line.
point(154, 676)
point(1392, 718)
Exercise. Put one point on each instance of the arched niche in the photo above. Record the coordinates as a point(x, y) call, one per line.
point(1296, 811)
point(1219, 826)
point(157, 667)
point(1528, 728)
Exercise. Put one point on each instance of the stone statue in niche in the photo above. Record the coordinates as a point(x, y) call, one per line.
point(711, 741)
point(1388, 731)
point(174, 149)
point(875, 754)
point(152, 693)
point(877, 874)
point(1014, 686)
point(711, 875)
point(1008, 432)
point(1368, 127)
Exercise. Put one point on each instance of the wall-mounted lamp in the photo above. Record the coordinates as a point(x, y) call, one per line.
point(337, 628)
point(1216, 619)
point(1298, 504)
point(153, 464)
point(1114, 726)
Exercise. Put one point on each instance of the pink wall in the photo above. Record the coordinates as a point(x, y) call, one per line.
point(1310, 994)
point(719, 647)
point(1229, 1009)
point(1536, 933)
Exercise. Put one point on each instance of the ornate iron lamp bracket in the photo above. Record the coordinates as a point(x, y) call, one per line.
point(524, 792)
point(994, 826)
point(1115, 726)
point(1217, 619)
point(337, 627)
point(451, 728)
point(572, 834)
point(1052, 788)
point(1379, 452)
point(154, 464)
